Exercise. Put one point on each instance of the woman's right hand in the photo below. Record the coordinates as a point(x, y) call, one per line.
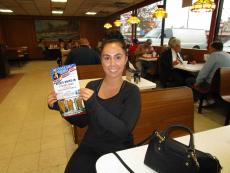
point(52, 98)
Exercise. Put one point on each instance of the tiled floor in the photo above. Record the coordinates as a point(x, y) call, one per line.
point(34, 139)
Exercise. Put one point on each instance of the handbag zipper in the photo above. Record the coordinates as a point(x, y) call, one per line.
point(195, 159)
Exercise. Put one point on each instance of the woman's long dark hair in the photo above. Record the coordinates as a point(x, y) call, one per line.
point(114, 36)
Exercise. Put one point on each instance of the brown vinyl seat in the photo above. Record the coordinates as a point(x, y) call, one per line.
point(225, 90)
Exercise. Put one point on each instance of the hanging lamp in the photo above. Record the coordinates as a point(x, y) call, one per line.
point(133, 20)
point(107, 25)
point(203, 5)
point(117, 23)
point(160, 12)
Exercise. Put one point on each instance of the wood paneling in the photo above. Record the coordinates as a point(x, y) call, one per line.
point(92, 29)
point(159, 109)
point(20, 31)
point(191, 54)
point(2, 38)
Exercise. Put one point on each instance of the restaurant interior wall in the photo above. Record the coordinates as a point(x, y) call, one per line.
point(16, 31)
point(2, 40)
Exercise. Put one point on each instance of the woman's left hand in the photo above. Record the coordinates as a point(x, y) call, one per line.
point(86, 93)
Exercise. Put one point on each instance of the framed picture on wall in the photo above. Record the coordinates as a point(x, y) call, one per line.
point(53, 30)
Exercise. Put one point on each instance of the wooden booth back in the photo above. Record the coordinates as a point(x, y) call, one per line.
point(159, 108)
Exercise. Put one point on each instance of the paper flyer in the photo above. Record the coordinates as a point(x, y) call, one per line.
point(66, 86)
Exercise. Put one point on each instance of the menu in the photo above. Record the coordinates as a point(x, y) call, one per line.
point(66, 86)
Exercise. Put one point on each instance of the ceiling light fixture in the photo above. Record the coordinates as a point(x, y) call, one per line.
point(203, 5)
point(90, 13)
point(160, 12)
point(6, 11)
point(64, 1)
point(57, 12)
point(107, 25)
point(133, 20)
point(117, 23)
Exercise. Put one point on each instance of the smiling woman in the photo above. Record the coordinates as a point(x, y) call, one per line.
point(112, 105)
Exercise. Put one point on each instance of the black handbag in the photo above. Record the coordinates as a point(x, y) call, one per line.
point(166, 155)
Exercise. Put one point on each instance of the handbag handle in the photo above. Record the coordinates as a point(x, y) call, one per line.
point(185, 128)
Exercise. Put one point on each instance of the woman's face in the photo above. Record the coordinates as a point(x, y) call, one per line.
point(113, 59)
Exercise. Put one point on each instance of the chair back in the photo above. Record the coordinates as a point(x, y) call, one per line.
point(90, 71)
point(163, 107)
point(224, 81)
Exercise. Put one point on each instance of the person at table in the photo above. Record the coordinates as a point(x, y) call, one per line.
point(83, 55)
point(217, 59)
point(144, 51)
point(133, 46)
point(170, 76)
point(113, 108)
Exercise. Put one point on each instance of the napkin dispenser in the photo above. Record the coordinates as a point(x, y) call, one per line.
point(133, 75)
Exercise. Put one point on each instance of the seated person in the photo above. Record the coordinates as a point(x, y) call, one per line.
point(113, 108)
point(82, 55)
point(133, 46)
point(217, 59)
point(144, 51)
point(169, 76)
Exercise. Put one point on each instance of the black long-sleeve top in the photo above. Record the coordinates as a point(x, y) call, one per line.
point(110, 121)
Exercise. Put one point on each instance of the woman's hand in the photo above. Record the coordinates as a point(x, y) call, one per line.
point(52, 98)
point(86, 93)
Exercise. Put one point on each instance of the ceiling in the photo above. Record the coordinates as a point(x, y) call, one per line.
point(71, 8)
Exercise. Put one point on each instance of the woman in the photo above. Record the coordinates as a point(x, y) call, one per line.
point(113, 107)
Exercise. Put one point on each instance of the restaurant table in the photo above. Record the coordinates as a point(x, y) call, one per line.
point(215, 142)
point(148, 65)
point(190, 67)
point(143, 84)
point(148, 59)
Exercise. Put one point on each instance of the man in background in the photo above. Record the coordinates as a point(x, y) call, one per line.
point(169, 76)
point(83, 55)
point(217, 59)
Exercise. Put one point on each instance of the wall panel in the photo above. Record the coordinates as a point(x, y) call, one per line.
point(19, 31)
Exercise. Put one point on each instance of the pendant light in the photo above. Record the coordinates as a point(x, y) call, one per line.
point(117, 23)
point(107, 25)
point(160, 12)
point(133, 20)
point(203, 5)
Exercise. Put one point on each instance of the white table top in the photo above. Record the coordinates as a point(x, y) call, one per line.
point(189, 67)
point(143, 84)
point(215, 142)
point(148, 59)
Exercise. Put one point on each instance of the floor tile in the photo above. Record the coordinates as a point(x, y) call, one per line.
point(24, 164)
point(52, 157)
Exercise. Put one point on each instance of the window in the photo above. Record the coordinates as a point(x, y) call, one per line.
point(147, 21)
point(191, 28)
point(224, 30)
point(126, 28)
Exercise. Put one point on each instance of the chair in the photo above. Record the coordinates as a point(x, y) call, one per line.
point(212, 90)
point(225, 90)
point(90, 71)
